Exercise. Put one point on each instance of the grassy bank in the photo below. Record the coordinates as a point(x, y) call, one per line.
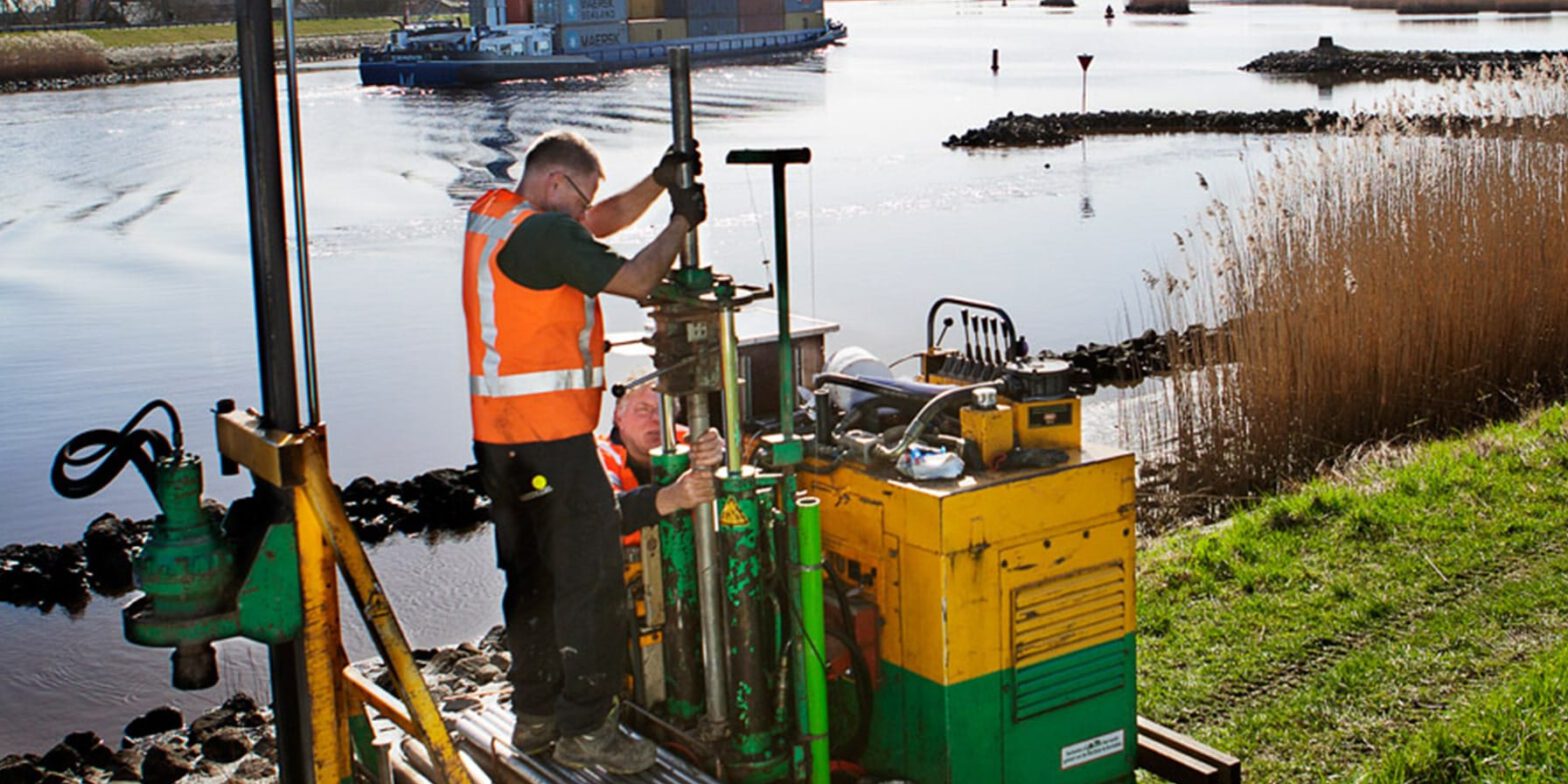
point(215, 33)
point(1403, 621)
point(105, 56)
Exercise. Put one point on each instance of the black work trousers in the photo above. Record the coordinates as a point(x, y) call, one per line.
point(565, 601)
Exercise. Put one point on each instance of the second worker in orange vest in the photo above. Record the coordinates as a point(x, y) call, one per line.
point(628, 464)
point(532, 273)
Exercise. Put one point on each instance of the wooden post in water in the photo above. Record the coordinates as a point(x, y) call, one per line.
point(995, 64)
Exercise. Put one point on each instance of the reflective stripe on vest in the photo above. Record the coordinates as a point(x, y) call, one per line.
point(534, 375)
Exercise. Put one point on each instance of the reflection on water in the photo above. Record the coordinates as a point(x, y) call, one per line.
point(124, 250)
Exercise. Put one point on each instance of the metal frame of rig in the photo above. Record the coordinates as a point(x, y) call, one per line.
point(932, 581)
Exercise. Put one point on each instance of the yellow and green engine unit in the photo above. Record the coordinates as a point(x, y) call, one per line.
point(1005, 596)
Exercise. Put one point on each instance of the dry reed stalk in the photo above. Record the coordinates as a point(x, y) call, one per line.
point(49, 55)
point(1379, 284)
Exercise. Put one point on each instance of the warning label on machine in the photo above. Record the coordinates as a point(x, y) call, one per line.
point(1093, 748)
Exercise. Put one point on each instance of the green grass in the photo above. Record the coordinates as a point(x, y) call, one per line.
point(208, 33)
point(1400, 624)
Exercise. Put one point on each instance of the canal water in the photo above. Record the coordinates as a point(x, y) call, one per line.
point(124, 268)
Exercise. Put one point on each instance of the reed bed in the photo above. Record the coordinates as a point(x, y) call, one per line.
point(1377, 284)
point(49, 55)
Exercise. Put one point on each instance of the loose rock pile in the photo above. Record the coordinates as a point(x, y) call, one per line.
point(1352, 65)
point(233, 742)
point(1056, 130)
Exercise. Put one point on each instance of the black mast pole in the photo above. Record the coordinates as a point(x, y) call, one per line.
point(274, 338)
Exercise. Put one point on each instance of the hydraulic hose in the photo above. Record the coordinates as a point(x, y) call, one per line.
point(927, 413)
point(112, 450)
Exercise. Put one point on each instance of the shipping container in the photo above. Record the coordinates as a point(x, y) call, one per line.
point(645, 9)
point(579, 11)
point(647, 31)
point(590, 36)
point(519, 11)
point(804, 20)
point(761, 23)
point(702, 26)
point(675, 9)
point(761, 8)
point(696, 8)
point(797, 6)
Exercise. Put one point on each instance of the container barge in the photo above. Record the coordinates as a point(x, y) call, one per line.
point(541, 39)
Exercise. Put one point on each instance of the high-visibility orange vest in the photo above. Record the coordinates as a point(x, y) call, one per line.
point(616, 468)
point(535, 358)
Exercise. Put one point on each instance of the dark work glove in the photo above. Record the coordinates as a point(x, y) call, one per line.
point(668, 171)
point(690, 203)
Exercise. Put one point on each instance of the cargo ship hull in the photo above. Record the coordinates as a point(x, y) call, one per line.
point(460, 68)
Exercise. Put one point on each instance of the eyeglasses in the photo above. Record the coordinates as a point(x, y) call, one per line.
point(587, 202)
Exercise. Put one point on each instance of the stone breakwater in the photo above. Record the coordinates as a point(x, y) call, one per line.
point(235, 741)
point(1056, 130)
point(173, 62)
point(1336, 63)
point(47, 576)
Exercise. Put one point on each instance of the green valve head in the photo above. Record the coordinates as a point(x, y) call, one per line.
point(186, 569)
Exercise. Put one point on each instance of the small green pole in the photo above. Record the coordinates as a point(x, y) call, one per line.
point(809, 529)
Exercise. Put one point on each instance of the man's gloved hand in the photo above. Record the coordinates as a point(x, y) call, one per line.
point(690, 203)
point(669, 168)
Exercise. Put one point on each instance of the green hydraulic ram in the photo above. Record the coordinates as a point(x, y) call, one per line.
point(682, 622)
point(756, 739)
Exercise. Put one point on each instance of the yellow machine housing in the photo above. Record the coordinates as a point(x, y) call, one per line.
point(1007, 604)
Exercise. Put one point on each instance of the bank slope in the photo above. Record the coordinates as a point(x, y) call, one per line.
point(1404, 621)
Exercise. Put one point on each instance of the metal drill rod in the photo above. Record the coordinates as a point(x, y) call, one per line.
point(709, 585)
point(307, 320)
point(680, 106)
point(667, 423)
point(274, 339)
point(729, 370)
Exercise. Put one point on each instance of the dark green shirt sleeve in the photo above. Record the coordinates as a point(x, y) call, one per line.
point(551, 250)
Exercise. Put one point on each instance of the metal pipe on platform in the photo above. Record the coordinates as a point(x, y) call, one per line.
point(729, 370)
point(709, 582)
point(680, 105)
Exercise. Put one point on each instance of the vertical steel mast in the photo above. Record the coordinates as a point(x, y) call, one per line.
point(274, 339)
point(697, 417)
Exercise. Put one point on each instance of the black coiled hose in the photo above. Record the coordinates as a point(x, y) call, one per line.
point(112, 450)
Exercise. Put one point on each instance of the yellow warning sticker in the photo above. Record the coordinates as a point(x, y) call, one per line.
point(732, 514)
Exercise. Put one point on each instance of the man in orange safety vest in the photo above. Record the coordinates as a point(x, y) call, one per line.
point(532, 272)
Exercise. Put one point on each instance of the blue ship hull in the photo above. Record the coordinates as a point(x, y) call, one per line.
point(469, 68)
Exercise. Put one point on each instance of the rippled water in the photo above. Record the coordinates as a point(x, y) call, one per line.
point(124, 267)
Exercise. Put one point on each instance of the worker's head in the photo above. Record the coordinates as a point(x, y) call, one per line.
point(561, 173)
point(637, 419)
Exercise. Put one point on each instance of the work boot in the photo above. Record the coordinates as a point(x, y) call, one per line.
point(607, 747)
point(533, 734)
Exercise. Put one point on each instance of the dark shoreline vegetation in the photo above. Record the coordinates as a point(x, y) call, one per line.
point(77, 61)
